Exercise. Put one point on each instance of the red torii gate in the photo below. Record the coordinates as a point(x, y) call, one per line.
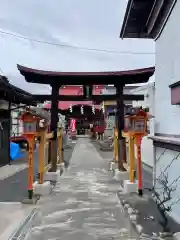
point(58, 79)
point(70, 90)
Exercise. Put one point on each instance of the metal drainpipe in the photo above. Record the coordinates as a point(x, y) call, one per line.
point(154, 155)
point(154, 165)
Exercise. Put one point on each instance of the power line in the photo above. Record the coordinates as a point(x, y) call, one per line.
point(75, 47)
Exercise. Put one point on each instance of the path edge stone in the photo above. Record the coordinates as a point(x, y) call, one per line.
point(133, 217)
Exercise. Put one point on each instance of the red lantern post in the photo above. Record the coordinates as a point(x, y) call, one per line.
point(30, 131)
point(139, 128)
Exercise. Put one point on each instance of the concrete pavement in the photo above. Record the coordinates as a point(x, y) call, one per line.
point(13, 180)
point(84, 204)
point(9, 170)
point(13, 187)
point(11, 216)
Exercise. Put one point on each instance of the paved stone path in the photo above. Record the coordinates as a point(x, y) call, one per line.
point(84, 204)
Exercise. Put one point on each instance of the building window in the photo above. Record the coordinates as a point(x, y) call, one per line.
point(175, 93)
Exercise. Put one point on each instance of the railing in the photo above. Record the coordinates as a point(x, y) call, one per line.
point(131, 146)
point(44, 158)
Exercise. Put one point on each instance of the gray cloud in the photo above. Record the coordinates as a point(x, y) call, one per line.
point(92, 24)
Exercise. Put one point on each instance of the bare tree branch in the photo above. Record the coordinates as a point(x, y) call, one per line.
point(162, 198)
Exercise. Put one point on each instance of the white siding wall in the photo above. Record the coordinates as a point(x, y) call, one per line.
point(168, 116)
point(168, 72)
point(149, 94)
point(164, 164)
point(147, 144)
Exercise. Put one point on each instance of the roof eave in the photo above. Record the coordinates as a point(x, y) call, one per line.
point(14, 94)
point(128, 9)
point(71, 78)
point(156, 15)
point(136, 35)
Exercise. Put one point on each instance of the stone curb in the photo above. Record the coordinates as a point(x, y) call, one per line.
point(133, 214)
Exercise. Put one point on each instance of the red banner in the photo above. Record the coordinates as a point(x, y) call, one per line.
point(73, 125)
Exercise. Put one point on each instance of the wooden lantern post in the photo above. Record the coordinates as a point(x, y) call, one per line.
point(60, 145)
point(115, 145)
point(131, 158)
point(42, 133)
point(131, 147)
point(139, 127)
point(30, 131)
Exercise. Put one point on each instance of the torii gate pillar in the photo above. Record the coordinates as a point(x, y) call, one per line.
point(53, 126)
point(120, 127)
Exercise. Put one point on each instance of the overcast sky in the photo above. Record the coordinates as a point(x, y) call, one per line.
point(80, 23)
